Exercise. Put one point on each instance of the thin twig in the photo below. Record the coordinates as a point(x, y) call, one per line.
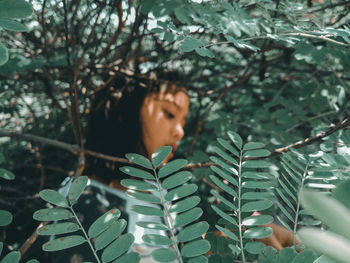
point(30, 240)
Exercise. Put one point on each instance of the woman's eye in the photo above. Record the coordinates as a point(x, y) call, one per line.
point(169, 115)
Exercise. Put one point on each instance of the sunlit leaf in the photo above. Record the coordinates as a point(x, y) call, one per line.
point(188, 217)
point(117, 247)
point(58, 228)
point(257, 220)
point(184, 204)
point(144, 197)
point(171, 167)
point(155, 239)
point(257, 206)
point(181, 192)
point(227, 232)
point(76, 189)
point(257, 232)
point(195, 248)
point(147, 210)
point(137, 185)
point(53, 197)
point(136, 172)
point(111, 233)
point(63, 243)
point(159, 156)
point(152, 225)
point(103, 222)
point(235, 138)
point(51, 214)
point(193, 231)
point(139, 160)
point(164, 255)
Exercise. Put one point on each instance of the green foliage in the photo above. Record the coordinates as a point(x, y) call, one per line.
point(105, 231)
point(10, 10)
point(176, 206)
point(334, 213)
point(248, 189)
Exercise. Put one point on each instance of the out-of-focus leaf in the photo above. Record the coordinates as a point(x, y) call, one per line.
point(12, 257)
point(254, 247)
point(12, 25)
point(5, 217)
point(15, 9)
point(3, 172)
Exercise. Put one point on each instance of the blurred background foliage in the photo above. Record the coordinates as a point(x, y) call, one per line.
point(273, 71)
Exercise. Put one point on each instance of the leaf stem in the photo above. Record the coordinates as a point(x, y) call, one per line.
point(85, 234)
point(167, 218)
point(239, 205)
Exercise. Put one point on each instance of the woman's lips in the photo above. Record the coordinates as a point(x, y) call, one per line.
point(174, 146)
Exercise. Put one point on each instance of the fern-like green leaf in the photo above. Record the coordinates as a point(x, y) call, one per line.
point(63, 243)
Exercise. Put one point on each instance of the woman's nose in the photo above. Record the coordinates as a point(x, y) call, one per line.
point(178, 131)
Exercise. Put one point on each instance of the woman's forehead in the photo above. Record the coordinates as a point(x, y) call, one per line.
point(179, 99)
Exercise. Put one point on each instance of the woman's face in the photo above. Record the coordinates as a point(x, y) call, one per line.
point(163, 117)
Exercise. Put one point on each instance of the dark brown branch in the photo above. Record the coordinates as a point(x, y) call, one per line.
point(330, 6)
point(341, 125)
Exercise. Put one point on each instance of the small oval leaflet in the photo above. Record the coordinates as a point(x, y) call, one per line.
point(235, 138)
point(256, 164)
point(181, 192)
point(193, 231)
point(254, 247)
point(152, 225)
point(5, 217)
point(257, 185)
point(185, 204)
point(177, 179)
point(117, 247)
point(257, 220)
point(76, 189)
point(195, 248)
point(258, 232)
point(110, 234)
point(224, 175)
point(256, 153)
point(12, 25)
point(63, 243)
point(58, 228)
point(6, 174)
point(131, 257)
point(15, 9)
point(51, 214)
point(147, 210)
point(223, 199)
point(224, 215)
point(228, 146)
point(103, 222)
point(223, 186)
point(200, 259)
point(144, 197)
point(253, 145)
point(171, 167)
point(188, 217)
point(12, 257)
point(160, 155)
point(257, 206)
point(137, 185)
point(224, 155)
point(53, 197)
point(224, 165)
point(155, 239)
point(139, 160)
point(227, 232)
point(132, 171)
point(164, 255)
